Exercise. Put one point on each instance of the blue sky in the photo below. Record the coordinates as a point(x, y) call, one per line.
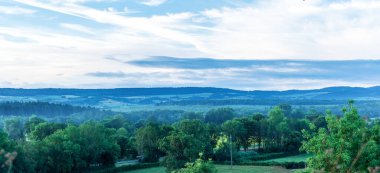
point(240, 44)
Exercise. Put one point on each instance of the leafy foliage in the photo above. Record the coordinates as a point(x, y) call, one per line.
point(189, 138)
point(199, 166)
point(219, 116)
point(147, 140)
point(348, 144)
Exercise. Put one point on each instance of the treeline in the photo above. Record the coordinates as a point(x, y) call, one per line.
point(261, 102)
point(338, 143)
point(58, 147)
point(44, 109)
point(119, 92)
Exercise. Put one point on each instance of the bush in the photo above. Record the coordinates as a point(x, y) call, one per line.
point(199, 166)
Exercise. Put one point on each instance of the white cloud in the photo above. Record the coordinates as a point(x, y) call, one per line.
point(296, 30)
point(13, 10)
point(273, 29)
point(137, 25)
point(153, 2)
point(77, 27)
point(74, 1)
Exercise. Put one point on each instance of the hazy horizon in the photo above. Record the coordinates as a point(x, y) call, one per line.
point(174, 87)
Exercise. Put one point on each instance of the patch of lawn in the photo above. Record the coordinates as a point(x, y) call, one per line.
point(226, 169)
point(297, 158)
point(149, 170)
point(251, 169)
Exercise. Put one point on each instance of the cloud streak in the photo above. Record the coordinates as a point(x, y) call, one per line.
point(14, 10)
point(153, 2)
point(107, 74)
point(70, 40)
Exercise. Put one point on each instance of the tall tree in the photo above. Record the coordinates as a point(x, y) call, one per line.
point(147, 141)
point(183, 145)
point(348, 144)
point(237, 131)
point(278, 127)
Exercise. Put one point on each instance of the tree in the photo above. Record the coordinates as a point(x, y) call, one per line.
point(45, 129)
point(15, 128)
point(189, 138)
point(236, 130)
point(286, 109)
point(348, 144)
point(245, 137)
point(75, 149)
point(147, 141)
point(195, 128)
point(127, 145)
point(32, 123)
point(193, 116)
point(180, 148)
point(219, 116)
point(199, 131)
point(260, 125)
point(5, 146)
point(117, 122)
point(278, 127)
point(98, 144)
point(12, 157)
point(297, 113)
point(222, 150)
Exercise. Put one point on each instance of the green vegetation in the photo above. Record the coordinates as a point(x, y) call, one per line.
point(194, 144)
point(250, 169)
point(226, 169)
point(150, 170)
point(199, 166)
point(348, 144)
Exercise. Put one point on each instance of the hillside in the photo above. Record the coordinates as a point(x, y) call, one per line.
point(325, 93)
point(200, 99)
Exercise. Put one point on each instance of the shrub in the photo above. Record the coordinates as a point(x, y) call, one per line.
point(199, 166)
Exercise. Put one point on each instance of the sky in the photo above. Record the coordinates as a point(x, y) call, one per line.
point(238, 44)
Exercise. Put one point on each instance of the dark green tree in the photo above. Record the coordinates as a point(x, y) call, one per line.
point(31, 123)
point(147, 141)
point(45, 129)
point(189, 138)
point(219, 116)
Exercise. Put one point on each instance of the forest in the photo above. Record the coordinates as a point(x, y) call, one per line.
point(192, 142)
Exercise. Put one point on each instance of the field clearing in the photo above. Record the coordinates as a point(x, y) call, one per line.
point(297, 158)
point(226, 169)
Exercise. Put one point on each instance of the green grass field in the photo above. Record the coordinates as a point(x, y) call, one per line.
point(297, 158)
point(226, 169)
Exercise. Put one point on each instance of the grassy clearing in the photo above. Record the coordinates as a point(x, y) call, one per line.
point(149, 170)
point(297, 158)
point(251, 169)
point(226, 169)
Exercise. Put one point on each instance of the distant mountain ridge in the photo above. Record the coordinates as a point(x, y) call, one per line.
point(324, 93)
